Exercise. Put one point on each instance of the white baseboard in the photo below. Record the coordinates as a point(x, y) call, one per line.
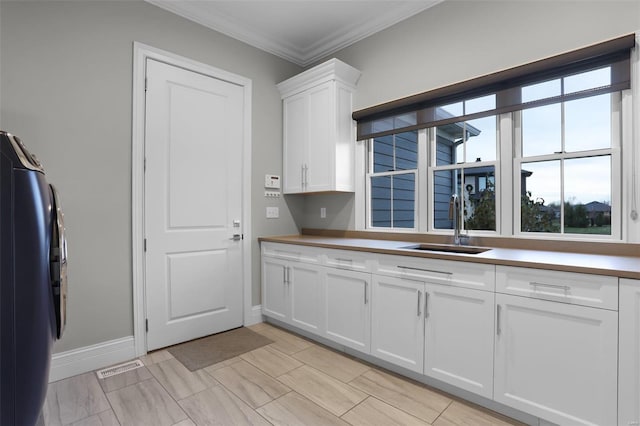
point(255, 316)
point(89, 358)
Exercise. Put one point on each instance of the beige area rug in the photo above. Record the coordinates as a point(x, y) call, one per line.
point(210, 350)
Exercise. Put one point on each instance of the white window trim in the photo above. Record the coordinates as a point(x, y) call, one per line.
point(631, 148)
point(361, 207)
point(422, 197)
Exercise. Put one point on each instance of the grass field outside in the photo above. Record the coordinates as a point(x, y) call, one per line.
point(596, 230)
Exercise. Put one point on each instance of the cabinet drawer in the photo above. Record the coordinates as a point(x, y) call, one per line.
point(346, 259)
point(461, 274)
point(568, 287)
point(291, 252)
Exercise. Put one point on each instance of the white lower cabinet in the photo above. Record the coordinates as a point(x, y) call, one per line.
point(544, 342)
point(397, 321)
point(347, 307)
point(275, 300)
point(556, 360)
point(629, 354)
point(459, 337)
point(291, 292)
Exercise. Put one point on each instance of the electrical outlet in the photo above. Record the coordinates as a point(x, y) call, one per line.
point(323, 212)
point(273, 212)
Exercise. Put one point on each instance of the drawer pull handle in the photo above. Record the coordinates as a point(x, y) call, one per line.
point(498, 311)
point(343, 260)
point(425, 270)
point(419, 299)
point(564, 288)
point(366, 288)
point(426, 304)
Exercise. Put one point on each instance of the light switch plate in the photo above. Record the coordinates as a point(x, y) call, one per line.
point(273, 212)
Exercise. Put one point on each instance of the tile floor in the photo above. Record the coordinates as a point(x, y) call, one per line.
point(292, 381)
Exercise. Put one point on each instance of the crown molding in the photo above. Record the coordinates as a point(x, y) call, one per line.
point(206, 14)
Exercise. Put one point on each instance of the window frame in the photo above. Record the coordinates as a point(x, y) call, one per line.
point(431, 168)
point(371, 174)
point(617, 183)
point(508, 162)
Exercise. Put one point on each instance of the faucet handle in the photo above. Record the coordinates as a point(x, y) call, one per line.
point(454, 204)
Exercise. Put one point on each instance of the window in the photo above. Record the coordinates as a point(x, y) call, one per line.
point(392, 181)
point(565, 153)
point(463, 162)
point(538, 152)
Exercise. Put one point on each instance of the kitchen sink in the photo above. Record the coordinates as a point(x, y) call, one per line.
point(447, 249)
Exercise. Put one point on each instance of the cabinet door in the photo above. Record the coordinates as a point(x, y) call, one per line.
point(459, 337)
point(397, 332)
point(275, 298)
point(305, 285)
point(348, 308)
point(629, 353)
point(320, 163)
point(295, 140)
point(556, 361)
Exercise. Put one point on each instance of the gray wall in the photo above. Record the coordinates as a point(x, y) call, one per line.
point(66, 82)
point(457, 40)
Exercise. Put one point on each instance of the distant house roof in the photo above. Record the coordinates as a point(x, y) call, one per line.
point(596, 207)
point(454, 129)
point(489, 170)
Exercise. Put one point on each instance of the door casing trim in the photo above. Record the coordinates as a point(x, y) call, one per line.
point(142, 52)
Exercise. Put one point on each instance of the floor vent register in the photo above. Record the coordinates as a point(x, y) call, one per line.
point(119, 369)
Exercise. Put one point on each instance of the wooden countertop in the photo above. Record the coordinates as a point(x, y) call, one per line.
point(600, 264)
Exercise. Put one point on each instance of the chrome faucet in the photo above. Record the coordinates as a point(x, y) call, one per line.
point(454, 214)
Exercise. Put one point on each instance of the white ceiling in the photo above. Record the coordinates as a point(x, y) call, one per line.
point(300, 31)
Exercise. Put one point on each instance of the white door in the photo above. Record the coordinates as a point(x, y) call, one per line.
point(348, 308)
point(193, 204)
point(459, 337)
point(557, 361)
point(397, 321)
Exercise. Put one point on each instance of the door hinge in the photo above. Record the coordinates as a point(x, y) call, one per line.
point(146, 325)
point(243, 236)
point(145, 84)
point(145, 244)
point(144, 166)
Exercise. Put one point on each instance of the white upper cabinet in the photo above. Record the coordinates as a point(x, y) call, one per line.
point(318, 132)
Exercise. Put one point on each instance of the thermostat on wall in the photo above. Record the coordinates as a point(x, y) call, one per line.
point(271, 181)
